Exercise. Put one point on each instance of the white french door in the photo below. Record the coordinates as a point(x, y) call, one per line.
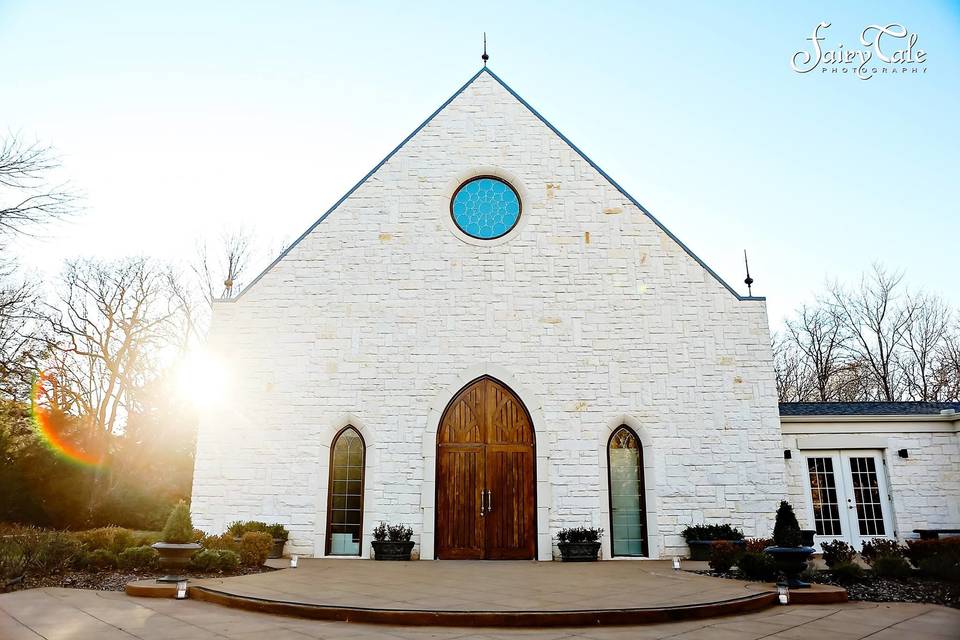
point(847, 496)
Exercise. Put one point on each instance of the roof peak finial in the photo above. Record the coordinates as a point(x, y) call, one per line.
point(748, 280)
point(484, 57)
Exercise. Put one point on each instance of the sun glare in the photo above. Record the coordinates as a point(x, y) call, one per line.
point(201, 379)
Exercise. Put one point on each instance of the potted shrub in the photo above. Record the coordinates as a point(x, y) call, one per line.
point(176, 544)
point(280, 535)
point(579, 544)
point(700, 538)
point(787, 550)
point(392, 542)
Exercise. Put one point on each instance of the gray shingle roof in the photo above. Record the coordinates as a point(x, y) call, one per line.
point(865, 408)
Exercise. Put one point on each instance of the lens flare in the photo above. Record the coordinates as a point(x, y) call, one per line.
point(49, 428)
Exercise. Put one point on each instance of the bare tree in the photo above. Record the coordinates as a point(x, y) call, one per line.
point(876, 315)
point(789, 370)
point(818, 333)
point(223, 273)
point(26, 198)
point(105, 336)
point(924, 345)
point(27, 202)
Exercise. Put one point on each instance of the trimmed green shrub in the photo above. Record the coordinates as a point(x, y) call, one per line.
point(138, 558)
point(255, 546)
point(723, 555)
point(786, 531)
point(846, 572)
point(278, 531)
point(873, 549)
point(229, 560)
point(890, 566)
point(837, 552)
point(241, 527)
point(210, 560)
point(114, 539)
point(705, 532)
point(179, 528)
point(206, 560)
point(757, 565)
point(102, 559)
point(223, 541)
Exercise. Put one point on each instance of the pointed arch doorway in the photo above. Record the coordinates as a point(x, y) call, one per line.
point(486, 500)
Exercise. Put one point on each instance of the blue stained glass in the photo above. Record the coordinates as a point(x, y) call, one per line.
point(486, 208)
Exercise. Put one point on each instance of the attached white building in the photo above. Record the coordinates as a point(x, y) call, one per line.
point(488, 339)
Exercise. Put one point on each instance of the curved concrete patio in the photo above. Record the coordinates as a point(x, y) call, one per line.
point(487, 593)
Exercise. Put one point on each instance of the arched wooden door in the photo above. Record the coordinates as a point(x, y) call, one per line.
point(486, 505)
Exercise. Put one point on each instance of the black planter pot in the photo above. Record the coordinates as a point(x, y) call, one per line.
point(700, 549)
point(392, 550)
point(791, 561)
point(174, 559)
point(579, 551)
point(277, 550)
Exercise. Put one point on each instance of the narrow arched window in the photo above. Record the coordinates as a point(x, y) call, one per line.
point(345, 494)
point(628, 518)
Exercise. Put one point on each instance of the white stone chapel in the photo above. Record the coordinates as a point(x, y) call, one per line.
point(488, 339)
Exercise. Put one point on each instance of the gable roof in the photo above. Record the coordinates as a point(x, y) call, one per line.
point(549, 126)
point(866, 408)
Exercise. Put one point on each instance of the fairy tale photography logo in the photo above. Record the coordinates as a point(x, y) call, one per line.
point(889, 50)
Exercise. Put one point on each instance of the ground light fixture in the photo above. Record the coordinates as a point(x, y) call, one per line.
point(783, 594)
point(294, 559)
point(182, 590)
point(676, 563)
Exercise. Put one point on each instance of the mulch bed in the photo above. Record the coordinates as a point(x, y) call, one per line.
point(113, 580)
point(872, 589)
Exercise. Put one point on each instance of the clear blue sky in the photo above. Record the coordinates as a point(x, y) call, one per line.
point(179, 120)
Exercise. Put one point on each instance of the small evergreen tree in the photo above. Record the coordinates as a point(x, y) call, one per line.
point(786, 531)
point(179, 527)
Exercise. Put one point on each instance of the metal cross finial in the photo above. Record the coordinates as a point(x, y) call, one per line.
point(485, 57)
point(748, 281)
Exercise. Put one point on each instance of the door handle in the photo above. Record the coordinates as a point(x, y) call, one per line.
point(483, 511)
point(489, 501)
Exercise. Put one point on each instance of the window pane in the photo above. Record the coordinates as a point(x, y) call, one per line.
point(866, 493)
point(627, 518)
point(345, 501)
point(823, 492)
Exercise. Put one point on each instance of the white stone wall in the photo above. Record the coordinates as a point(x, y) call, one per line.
point(924, 487)
point(589, 308)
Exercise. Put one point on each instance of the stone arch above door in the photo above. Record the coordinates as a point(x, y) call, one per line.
point(530, 397)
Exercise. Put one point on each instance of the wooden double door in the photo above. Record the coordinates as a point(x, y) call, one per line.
point(486, 504)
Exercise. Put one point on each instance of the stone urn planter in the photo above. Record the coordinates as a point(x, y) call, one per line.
point(700, 549)
point(579, 551)
point(788, 550)
point(791, 561)
point(174, 559)
point(176, 546)
point(387, 550)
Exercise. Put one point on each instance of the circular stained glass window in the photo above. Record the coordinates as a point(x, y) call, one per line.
point(485, 207)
